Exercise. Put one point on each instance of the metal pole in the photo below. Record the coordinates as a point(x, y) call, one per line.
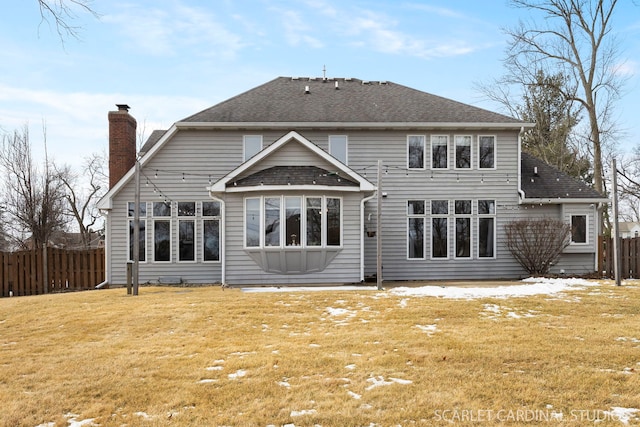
point(617, 262)
point(379, 228)
point(136, 229)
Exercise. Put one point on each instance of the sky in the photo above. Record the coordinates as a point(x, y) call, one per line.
point(168, 59)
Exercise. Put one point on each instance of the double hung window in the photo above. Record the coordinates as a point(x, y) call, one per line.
point(415, 151)
point(463, 228)
point(162, 231)
point(142, 226)
point(439, 152)
point(579, 229)
point(463, 151)
point(486, 152)
point(486, 228)
point(415, 229)
point(439, 229)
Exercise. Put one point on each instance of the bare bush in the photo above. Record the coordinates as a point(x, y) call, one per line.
point(537, 243)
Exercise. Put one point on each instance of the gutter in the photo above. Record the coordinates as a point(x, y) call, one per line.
point(520, 192)
point(362, 203)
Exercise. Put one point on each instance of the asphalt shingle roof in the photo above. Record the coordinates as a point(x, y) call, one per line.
point(294, 175)
point(285, 99)
point(550, 183)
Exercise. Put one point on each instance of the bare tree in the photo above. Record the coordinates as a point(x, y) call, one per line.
point(62, 12)
point(82, 198)
point(33, 197)
point(537, 243)
point(575, 39)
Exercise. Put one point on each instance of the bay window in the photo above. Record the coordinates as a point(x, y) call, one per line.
point(321, 220)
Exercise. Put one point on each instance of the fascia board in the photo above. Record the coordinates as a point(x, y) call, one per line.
point(281, 188)
point(353, 125)
point(560, 201)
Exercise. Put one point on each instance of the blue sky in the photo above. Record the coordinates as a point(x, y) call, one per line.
point(168, 59)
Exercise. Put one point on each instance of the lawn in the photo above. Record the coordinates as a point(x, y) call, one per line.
point(205, 356)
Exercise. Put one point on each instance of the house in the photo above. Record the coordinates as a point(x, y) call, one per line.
point(628, 229)
point(279, 185)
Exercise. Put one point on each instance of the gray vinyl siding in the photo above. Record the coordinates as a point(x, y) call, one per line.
point(345, 267)
point(207, 156)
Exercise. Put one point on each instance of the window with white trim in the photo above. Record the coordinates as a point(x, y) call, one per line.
point(439, 229)
point(252, 145)
point(142, 226)
point(462, 213)
point(415, 151)
point(415, 229)
point(321, 220)
point(439, 152)
point(486, 228)
point(338, 147)
point(579, 229)
point(486, 152)
point(211, 231)
point(463, 151)
point(162, 231)
point(186, 231)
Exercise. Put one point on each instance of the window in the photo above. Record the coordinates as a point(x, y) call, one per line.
point(415, 151)
point(314, 221)
point(486, 228)
point(186, 231)
point(252, 145)
point(439, 229)
point(318, 224)
point(252, 223)
point(292, 206)
point(162, 231)
point(415, 229)
point(211, 231)
point(486, 152)
point(463, 151)
point(272, 221)
point(463, 228)
point(338, 147)
point(334, 221)
point(439, 152)
point(143, 230)
point(579, 229)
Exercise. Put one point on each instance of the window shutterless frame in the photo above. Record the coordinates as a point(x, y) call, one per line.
point(416, 150)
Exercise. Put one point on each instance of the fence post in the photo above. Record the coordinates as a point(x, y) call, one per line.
point(129, 277)
point(45, 268)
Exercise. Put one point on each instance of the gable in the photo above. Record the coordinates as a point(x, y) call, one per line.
point(303, 161)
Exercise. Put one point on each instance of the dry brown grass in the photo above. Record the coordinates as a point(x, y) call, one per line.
point(204, 356)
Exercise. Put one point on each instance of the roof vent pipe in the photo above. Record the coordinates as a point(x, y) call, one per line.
point(306, 89)
point(535, 171)
point(337, 87)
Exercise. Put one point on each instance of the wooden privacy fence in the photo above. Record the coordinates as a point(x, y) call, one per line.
point(629, 257)
point(29, 273)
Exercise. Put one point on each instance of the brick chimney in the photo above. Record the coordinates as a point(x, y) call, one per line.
point(122, 143)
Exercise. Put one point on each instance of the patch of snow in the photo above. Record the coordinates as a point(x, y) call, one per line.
point(354, 395)
point(238, 374)
point(622, 414)
point(380, 381)
point(531, 286)
point(88, 422)
point(142, 415)
point(303, 412)
point(429, 329)
point(350, 367)
point(339, 311)
point(51, 424)
point(314, 345)
point(403, 303)
point(284, 383)
point(215, 368)
point(207, 381)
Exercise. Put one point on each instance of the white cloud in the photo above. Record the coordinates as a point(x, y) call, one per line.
point(296, 30)
point(167, 31)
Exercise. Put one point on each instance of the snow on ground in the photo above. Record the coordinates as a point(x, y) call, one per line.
point(531, 286)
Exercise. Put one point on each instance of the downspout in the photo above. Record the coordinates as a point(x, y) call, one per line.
point(520, 192)
point(223, 240)
point(362, 232)
point(101, 285)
